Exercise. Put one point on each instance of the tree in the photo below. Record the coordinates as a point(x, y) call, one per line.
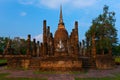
point(104, 32)
point(3, 43)
point(23, 47)
point(116, 50)
point(19, 45)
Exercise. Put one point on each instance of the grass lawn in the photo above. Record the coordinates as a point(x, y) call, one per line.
point(117, 77)
point(44, 72)
point(3, 61)
point(3, 77)
point(117, 59)
point(59, 72)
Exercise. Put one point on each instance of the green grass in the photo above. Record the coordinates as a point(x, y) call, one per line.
point(3, 61)
point(24, 79)
point(43, 72)
point(49, 72)
point(79, 72)
point(117, 77)
point(3, 77)
point(117, 59)
point(95, 78)
point(59, 72)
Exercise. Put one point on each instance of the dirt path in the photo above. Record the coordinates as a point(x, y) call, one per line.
point(65, 76)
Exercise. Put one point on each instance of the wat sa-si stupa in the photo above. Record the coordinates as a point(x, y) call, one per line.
point(61, 44)
point(61, 52)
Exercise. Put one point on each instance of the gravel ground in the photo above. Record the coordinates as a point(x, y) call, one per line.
point(65, 76)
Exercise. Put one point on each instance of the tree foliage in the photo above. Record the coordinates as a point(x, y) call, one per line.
point(19, 46)
point(103, 27)
point(3, 43)
point(116, 50)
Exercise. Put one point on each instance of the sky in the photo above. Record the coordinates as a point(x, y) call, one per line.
point(18, 18)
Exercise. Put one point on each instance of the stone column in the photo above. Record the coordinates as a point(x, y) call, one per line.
point(34, 54)
point(83, 42)
point(51, 45)
point(68, 46)
point(93, 47)
point(72, 43)
point(80, 48)
point(48, 41)
point(8, 49)
point(87, 47)
point(41, 49)
point(29, 45)
point(45, 38)
point(76, 38)
point(76, 33)
point(38, 49)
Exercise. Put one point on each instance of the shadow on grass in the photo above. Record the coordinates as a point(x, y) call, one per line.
point(60, 72)
point(3, 61)
point(3, 77)
point(117, 77)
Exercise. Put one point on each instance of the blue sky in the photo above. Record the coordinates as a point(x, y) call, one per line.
point(23, 17)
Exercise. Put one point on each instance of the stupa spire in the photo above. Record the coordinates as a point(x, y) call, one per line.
point(61, 16)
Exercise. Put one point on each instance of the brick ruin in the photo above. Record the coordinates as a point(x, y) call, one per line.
point(59, 52)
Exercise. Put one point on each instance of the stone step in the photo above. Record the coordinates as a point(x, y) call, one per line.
point(34, 64)
point(88, 63)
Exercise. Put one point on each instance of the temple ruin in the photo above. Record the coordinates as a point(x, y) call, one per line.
point(59, 52)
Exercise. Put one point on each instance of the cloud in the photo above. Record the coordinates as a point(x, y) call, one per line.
point(83, 3)
point(53, 4)
point(39, 37)
point(23, 14)
point(26, 2)
point(69, 3)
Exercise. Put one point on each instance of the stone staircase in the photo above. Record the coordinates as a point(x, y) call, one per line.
point(88, 63)
point(34, 63)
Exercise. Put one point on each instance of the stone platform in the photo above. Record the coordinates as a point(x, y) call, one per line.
point(56, 64)
point(60, 63)
point(105, 62)
point(46, 64)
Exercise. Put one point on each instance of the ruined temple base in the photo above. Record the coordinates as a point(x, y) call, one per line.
point(105, 62)
point(46, 64)
point(56, 64)
point(61, 63)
